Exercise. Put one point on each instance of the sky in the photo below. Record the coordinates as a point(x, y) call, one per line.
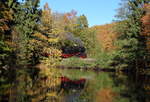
point(98, 12)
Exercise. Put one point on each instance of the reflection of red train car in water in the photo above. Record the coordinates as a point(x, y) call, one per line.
point(67, 83)
point(77, 51)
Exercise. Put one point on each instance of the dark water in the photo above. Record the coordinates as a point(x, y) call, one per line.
point(107, 87)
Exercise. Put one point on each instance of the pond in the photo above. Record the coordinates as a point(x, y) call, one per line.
point(78, 85)
point(105, 87)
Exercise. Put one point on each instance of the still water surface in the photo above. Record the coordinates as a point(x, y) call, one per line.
point(106, 87)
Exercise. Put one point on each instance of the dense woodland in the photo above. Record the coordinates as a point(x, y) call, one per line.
point(28, 32)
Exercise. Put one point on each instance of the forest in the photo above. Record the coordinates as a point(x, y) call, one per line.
point(35, 43)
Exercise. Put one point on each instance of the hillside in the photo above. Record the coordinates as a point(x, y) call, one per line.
point(106, 36)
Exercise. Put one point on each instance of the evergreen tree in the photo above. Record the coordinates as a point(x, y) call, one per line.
point(131, 51)
point(7, 57)
point(82, 21)
point(26, 19)
point(81, 24)
point(46, 26)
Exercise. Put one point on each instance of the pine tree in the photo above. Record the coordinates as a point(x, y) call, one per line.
point(26, 19)
point(131, 51)
point(81, 24)
point(7, 57)
point(82, 21)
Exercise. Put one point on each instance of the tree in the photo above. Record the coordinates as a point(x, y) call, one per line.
point(19, 25)
point(26, 19)
point(123, 11)
point(106, 36)
point(81, 24)
point(146, 31)
point(131, 45)
point(7, 58)
point(82, 21)
point(5, 19)
point(47, 26)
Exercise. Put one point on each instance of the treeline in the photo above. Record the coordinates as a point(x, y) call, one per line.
point(132, 53)
point(27, 34)
point(126, 41)
point(127, 48)
point(24, 37)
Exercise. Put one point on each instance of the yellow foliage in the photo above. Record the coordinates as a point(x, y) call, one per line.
point(53, 58)
point(54, 94)
point(49, 79)
point(51, 75)
point(55, 40)
point(39, 35)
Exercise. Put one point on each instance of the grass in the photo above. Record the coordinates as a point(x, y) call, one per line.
point(77, 62)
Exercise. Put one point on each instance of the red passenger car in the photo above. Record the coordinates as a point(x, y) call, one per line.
point(77, 51)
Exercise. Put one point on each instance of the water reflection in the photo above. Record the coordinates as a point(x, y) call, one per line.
point(104, 87)
point(79, 86)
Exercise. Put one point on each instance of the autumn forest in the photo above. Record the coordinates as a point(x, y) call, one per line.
point(48, 56)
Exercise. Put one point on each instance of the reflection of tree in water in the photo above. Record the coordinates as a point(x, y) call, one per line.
point(99, 89)
point(132, 87)
point(40, 86)
point(113, 87)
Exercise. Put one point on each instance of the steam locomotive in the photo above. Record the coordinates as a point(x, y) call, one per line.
point(69, 51)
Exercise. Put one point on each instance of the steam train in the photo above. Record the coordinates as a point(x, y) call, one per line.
point(69, 51)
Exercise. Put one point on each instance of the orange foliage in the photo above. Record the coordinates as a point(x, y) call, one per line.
point(106, 36)
point(6, 16)
point(146, 25)
point(71, 14)
point(146, 20)
point(105, 95)
point(70, 17)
